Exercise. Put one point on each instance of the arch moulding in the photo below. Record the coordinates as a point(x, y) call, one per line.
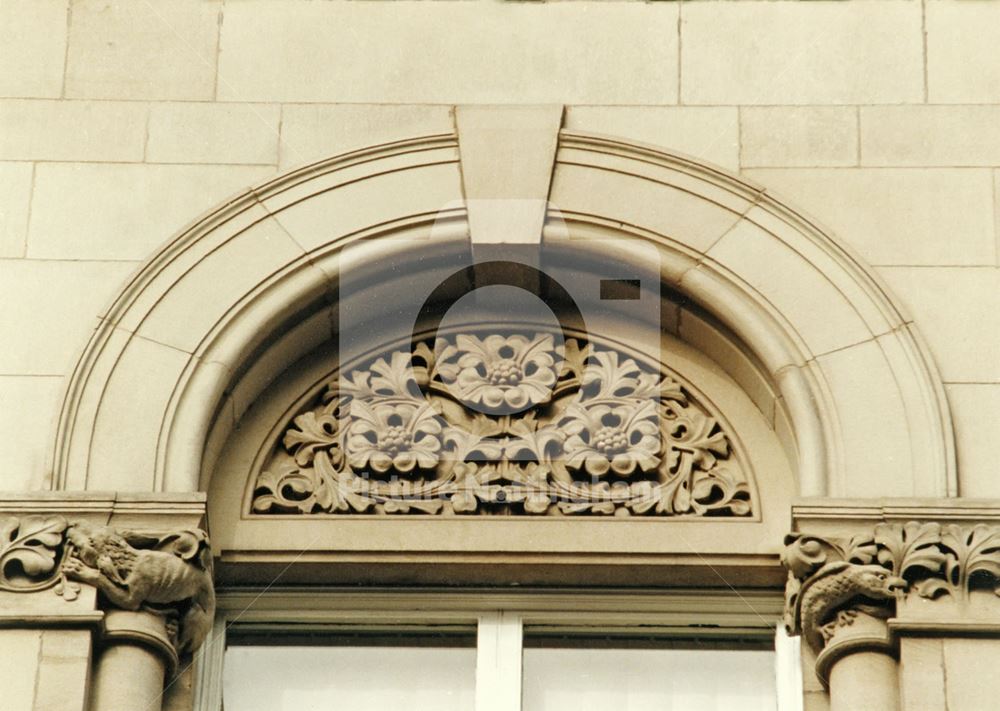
point(226, 306)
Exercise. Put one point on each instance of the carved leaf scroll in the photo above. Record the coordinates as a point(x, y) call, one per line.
point(29, 548)
point(504, 424)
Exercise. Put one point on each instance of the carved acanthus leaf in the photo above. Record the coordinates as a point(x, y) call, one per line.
point(29, 550)
point(504, 424)
point(830, 575)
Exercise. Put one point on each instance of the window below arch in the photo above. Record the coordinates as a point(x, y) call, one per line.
point(498, 651)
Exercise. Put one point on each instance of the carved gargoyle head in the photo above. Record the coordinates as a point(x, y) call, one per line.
point(877, 583)
point(96, 546)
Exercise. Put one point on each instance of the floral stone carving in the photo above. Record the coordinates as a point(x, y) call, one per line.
point(168, 574)
point(504, 424)
point(831, 580)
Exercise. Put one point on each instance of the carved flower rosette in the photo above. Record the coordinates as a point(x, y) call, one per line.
point(504, 424)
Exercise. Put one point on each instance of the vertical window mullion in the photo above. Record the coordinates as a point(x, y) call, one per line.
point(208, 669)
point(788, 670)
point(498, 662)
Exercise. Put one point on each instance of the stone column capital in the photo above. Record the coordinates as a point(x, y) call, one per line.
point(162, 579)
point(859, 591)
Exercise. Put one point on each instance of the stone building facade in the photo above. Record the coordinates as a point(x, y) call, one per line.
point(756, 385)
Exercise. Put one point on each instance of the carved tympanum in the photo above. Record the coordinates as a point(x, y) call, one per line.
point(833, 580)
point(169, 574)
point(504, 424)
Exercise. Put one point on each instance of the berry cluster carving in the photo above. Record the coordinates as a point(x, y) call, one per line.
point(499, 425)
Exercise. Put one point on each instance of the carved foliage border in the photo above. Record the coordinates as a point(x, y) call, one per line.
point(499, 425)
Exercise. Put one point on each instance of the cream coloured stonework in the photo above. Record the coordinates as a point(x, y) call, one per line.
point(213, 133)
point(807, 136)
point(929, 135)
point(34, 47)
point(862, 133)
point(156, 50)
point(15, 197)
point(960, 40)
point(398, 53)
point(89, 211)
point(101, 131)
point(794, 53)
point(932, 217)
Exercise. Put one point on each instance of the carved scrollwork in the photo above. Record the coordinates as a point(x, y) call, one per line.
point(504, 424)
point(30, 550)
point(830, 580)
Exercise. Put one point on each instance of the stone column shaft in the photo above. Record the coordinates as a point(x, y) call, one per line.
point(135, 658)
point(864, 681)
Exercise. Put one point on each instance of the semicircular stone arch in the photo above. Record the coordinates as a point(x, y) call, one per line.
point(222, 311)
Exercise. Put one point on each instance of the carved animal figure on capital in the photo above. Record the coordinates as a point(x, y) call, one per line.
point(837, 592)
point(169, 574)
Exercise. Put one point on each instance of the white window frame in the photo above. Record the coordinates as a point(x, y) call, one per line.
point(500, 619)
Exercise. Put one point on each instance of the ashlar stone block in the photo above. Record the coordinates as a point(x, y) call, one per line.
point(213, 133)
point(449, 52)
point(927, 217)
point(117, 211)
point(793, 136)
point(49, 310)
point(32, 47)
point(155, 49)
point(28, 408)
point(930, 135)
point(705, 133)
point(962, 41)
point(801, 53)
point(956, 311)
point(975, 411)
point(311, 132)
point(19, 650)
point(72, 130)
point(15, 200)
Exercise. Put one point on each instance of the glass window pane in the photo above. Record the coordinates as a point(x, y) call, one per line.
point(348, 678)
point(648, 679)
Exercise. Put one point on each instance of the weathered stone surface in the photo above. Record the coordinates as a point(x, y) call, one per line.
point(709, 133)
point(17, 677)
point(975, 410)
point(921, 679)
point(798, 136)
point(157, 49)
point(15, 200)
point(123, 212)
point(962, 39)
point(970, 677)
point(32, 47)
point(311, 132)
point(956, 311)
point(801, 53)
point(409, 52)
point(947, 136)
point(213, 133)
point(50, 309)
point(28, 407)
point(104, 131)
point(908, 217)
